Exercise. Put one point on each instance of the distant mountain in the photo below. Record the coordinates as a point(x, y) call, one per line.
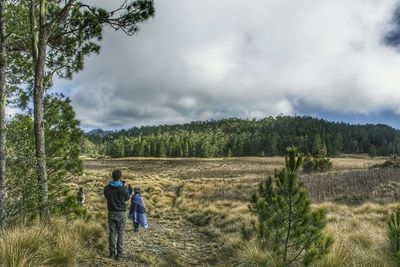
point(98, 132)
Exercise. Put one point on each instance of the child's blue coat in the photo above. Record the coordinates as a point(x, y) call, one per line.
point(137, 211)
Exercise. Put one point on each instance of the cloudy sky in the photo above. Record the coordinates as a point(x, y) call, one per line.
point(212, 59)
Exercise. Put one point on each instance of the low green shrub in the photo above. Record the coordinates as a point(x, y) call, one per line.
point(316, 164)
point(394, 235)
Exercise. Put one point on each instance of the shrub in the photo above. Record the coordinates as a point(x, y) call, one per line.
point(69, 207)
point(392, 162)
point(316, 163)
point(394, 234)
point(287, 226)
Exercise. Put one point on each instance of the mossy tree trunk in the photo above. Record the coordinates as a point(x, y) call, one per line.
point(39, 37)
point(2, 114)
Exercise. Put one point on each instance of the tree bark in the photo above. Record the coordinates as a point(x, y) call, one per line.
point(2, 115)
point(40, 46)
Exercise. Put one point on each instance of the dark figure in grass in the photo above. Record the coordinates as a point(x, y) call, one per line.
point(137, 211)
point(116, 194)
point(80, 196)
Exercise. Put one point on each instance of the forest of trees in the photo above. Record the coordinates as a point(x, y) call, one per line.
point(237, 137)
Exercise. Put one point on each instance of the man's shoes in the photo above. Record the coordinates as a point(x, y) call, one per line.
point(119, 258)
point(112, 255)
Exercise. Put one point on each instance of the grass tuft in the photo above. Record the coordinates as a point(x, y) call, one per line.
point(57, 244)
point(251, 255)
point(21, 247)
point(64, 251)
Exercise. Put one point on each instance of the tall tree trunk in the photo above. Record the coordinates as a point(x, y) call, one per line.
point(2, 115)
point(40, 46)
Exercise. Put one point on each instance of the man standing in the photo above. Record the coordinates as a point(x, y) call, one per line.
point(116, 194)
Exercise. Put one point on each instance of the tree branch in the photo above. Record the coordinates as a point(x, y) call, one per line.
point(61, 17)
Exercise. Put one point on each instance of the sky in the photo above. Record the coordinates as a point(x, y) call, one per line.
point(214, 59)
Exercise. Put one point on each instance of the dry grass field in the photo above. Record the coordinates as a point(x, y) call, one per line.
point(197, 208)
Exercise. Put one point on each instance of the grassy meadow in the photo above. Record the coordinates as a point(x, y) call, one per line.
point(198, 208)
point(198, 214)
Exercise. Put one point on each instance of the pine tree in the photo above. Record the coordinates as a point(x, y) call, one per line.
point(229, 153)
point(62, 34)
point(186, 148)
point(162, 152)
point(22, 180)
point(287, 225)
point(372, 151)
point(63, 149)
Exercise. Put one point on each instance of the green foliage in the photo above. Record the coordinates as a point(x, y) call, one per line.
point(316, 163)
point(287, 226)
point(63, 147)
point(236, 138)
point(21, 163)
point(63, 136)
point(373, 151)
point(51, 39)
point(90, 149)
point(117, 149)
point(70, 208)
point(70, 40)
point(394, 235)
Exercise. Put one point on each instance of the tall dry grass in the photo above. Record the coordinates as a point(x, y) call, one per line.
point(213, 196)
point(55, 244)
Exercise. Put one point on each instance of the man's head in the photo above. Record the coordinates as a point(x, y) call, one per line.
point(116, 175)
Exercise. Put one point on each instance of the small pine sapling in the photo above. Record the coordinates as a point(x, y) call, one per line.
point(394, 235)
point(287, 226)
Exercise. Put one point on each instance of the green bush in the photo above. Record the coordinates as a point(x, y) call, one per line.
point(287, 226)
point(394, 235)
point(316, 163)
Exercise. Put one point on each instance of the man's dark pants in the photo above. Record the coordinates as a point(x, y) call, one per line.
point(116, 227)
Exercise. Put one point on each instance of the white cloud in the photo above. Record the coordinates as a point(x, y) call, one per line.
point(203, 59)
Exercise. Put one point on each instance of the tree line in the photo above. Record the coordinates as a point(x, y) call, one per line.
point(40, 41)
point(240, 137)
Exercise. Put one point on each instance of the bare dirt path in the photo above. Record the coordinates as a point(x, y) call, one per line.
point(169, 241)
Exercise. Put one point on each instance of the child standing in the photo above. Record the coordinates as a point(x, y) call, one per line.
point(80, 196)
point(137, 211)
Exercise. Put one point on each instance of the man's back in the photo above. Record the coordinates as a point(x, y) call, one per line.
point(117, 195)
